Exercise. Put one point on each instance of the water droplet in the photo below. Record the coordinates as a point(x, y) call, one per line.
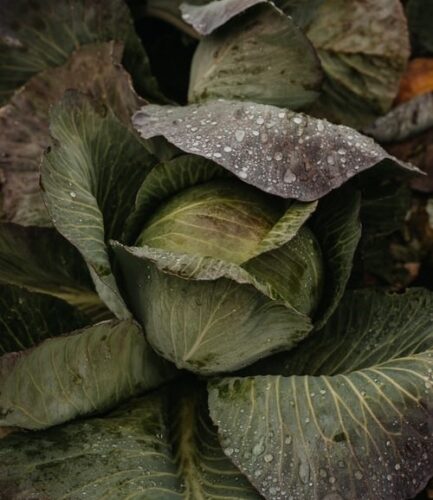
point(288, 440)
point(240, 134)
point(217, 155)
point(320, 126)
point(229, 451)
point(304, 472)
point(268, 458)
point(281, 115)
point(278, 155)
point(297, 120)
point(397, 467)
point(260, 120)
point(289, 176)
point(358, 474)
point(73, 194)
point(258, 449)
point(227, 149)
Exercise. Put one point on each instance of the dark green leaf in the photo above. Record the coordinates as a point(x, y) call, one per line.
point(284, 153)
point(85, 372)
point(28, 318)
point(162, 446)
point(420, 14)
point(39, 35)
point(384, 208)
point(338, 229)
point(24, 134)
point(240, 59)
point(350, 416)
point(206, 315)
point(40, 260)
point(90, 179)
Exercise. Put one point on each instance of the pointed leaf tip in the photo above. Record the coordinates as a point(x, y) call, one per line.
point(284, 153)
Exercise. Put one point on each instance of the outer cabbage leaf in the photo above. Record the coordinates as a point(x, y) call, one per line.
point(85, 372)
point(38, 35)
point(204, 314)
point(28, 318)
point(160, 446)
point(41, 260)
point(279, 151)
point(90, 179)
point(240, 59)
point(24, 133)
point(363, 47)
point(338, 228)
point(348, 414)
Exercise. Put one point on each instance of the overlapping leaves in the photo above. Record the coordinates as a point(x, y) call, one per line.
point(347, 414)
point(160, 446)
point(39, 35)
point(284, 153)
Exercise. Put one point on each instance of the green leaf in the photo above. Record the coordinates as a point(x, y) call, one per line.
point(294, 270)
point(24, 133)
point(40, 260)
point(363, 47)
point(384, 208)
point(350, 416)
point(41, 35)
point(284, 153)
point(90, 179)
point(206, 315)
point(337, 226)
point(419, 14)
point(159, 446)
point(238, 61)
point(287, 226)
point(166, 180)
point(85, 372)
point(28, 318)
